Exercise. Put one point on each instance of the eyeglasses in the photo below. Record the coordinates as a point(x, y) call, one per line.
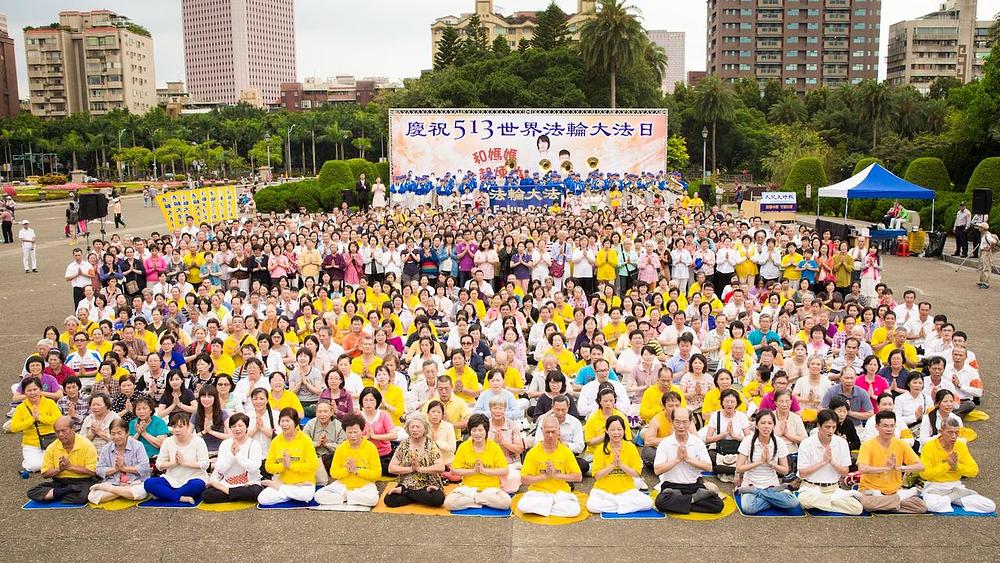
point(79, 340)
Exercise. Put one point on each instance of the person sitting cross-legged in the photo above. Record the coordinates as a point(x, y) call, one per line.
point(355, 468)
point(762, 457)
point(481, 464)
point(70, 464)
point(417, 461)
point(882, 461)
point(292, 462)
point(680, 459)
point(946, 461)
point(616, 467)
point(123, 464)
point(548, 470)
point(237, 469)
point(184, 462)
point(824, 458)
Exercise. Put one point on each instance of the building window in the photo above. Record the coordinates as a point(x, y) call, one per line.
point(744, 67)
point(812, 26)
point(794, 12)
point(860, 12)
point(793, 25)
point(810, 81)
point(812, 39)
point(812, 53)
point(811, 66)
point(857, 67)
point(791, 66)
point(791, 53)
point(745, 54)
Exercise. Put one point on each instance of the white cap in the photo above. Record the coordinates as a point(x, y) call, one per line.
point(24, 222)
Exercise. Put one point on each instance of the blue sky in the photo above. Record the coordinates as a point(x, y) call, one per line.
point(397, 41)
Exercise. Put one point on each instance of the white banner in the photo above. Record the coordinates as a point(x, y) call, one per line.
point(778, 201)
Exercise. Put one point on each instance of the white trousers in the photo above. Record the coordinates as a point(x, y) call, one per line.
point(939, 497)
point(560, 503)
point(471, 497)
point(630, 501)
point(829, 498)
point(270, 495)
point(32, 458)
point(338, 493)
point(28, 257)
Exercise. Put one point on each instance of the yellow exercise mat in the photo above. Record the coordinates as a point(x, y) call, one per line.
point(976, 416)
point(728, 507)
point(967, 433)
point(415, 508)
point(551, 520)
point(226, 506)
point(808, 415)
point(115, 504)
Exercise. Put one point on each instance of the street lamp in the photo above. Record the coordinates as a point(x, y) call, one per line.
point(120, 133)
point(288, 152)
point(704, 154)
point(267, 140)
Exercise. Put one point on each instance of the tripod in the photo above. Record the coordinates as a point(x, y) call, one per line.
point(86, 234)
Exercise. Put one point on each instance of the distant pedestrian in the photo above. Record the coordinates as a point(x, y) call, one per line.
point(116, 208)
point(988, 243)
point(963, 220)
point(27, 237)
point(7, 221)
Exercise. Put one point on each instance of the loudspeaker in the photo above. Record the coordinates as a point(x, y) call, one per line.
point(982, 201)
point(93, 206)
point(706, 194)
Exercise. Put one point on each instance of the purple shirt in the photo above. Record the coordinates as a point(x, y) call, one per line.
point(468, 261)
point(768, 403)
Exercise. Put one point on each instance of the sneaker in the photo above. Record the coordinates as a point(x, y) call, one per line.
point(725, 477)
point(641, 484)
point(35, 270)
point(6, 426)
point(27, 272)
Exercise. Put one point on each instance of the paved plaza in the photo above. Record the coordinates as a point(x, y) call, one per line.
point(29, 302)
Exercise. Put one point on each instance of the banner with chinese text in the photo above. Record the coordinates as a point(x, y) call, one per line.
point(208, 205)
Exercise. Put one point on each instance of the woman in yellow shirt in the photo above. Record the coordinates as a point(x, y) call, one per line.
point(293, 462)
point(34, 418)
point(281, 398)
point(355, 468)
point(392, 395)
point(616, 467)
point(712, 401)
point(593, 430)
point(607, 263)
point(481, 464)
point(567, 361)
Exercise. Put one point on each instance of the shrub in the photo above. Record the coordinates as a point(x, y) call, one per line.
point(180, 177)
point(987, 175)
point(52, 179)
point(358, 167)
point(383, 172)
point(865, 163)
point(302, 194)
point(930, 173)
point(808, 170)
point(334, 178)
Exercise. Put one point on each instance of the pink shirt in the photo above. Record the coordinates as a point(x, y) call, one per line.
point(381, 425)
point(877, 387)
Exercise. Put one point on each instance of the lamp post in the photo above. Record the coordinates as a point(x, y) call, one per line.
point(267, 140)
point(704, 154)
point(120, 133)
point(288, 152)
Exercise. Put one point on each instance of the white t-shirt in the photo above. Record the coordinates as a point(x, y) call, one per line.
point(803, 386)
point(582, 268)
point(811, 452)
point(76, 270)
point(762, 476)
point(682, 473)
point(741, 421)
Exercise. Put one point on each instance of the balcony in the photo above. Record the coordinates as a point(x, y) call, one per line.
point(837, 58)
point(771, 71)
point(837, 4)
point(770, 3)
point(769, 31)
point(834, 44)
point(769, 16)
point(768, 43)
point(768, 58)
point(834, 71)
point(837, 16)
point(836, 30)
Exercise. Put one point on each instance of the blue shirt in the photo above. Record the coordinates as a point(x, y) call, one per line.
point(756, 337)
point(156, 427)
point(809, 274)
point(586, 375)
point(135, 456)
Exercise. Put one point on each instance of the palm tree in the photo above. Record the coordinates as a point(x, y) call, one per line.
point(337, 135)
point(612, 41)
point(788, 109)
point(656, 58)
point(714, 102)
point(73, 143)
point(363, 144)
point(875, 105)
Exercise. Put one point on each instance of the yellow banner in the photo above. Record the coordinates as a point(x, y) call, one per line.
point(204, 205)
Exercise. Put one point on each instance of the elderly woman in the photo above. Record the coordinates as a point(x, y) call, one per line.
point(96, 427)
point(507, 434)
point(184, 462)
point(326, 434)
point(34, 418)
point(292, 461)
point(237, 469)
point(417, 462)
point(481, 463)
point(281, 398)
point(355, 469)
point(443, 434)
point(616, 468)
point(149, 429)
point(123, 464)
point(495, 379)
point(726, 429)
point(338, 396)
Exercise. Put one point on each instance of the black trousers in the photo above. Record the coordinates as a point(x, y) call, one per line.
point(961, 241)
point(78, 296)
point(118, 220)
point(418, 496)
point(975, 237)
point(244, 493)
point(677, 498)
point(584, 465)
point(69, 491)
point(589, 285)
point(8, 232)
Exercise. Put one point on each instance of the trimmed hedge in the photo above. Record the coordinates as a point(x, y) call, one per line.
point(52, 179)
point(987, 175)
point(929, 172)
point(334, 179)
point(808, 170)
point(358, 167)
point(383, 172)
point(865, 163)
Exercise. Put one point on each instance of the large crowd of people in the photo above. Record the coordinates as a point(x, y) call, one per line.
point(307, 357)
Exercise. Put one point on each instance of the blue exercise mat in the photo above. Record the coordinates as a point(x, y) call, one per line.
point(824, 514)
point(641, 515)
point(288, 505)
point(164, 503)
point(35, 505)
point(773, 512)
point(484, 512)
point(959, 511)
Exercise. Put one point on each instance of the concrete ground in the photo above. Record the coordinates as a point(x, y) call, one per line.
point(29, 302)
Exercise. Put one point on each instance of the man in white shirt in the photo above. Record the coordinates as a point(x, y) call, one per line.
point(424, 390)
point(920, 327)
point(584, 260)
point(680, 459)
point(587, 403)
point(965, 379)
point(570, 430)
point(328, 352)
point(79, 274)
point(824, 458)
point(907, 310)
point(27, 237)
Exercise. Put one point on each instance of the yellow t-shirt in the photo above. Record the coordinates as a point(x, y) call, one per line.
point(231, 347)
point(713, 401)
point(936, 467)
point(512, 378)
point(568, 363)
point(562, 459)
point(224, 364)
point(304, 462)
point(651, 401)
point(612, 332)
point(470, 381)
point(872, 453)
point(790, 263)
point(909, 353)
point(492, 458)
point(394, 396)
point(358, 367)
point(288, 399)
point(880, 335)
point(365, 458)
point(83, 454)
point(101, 349)
point(149, 337)
point(595, 427)
point(607, 264)
point(617, 481)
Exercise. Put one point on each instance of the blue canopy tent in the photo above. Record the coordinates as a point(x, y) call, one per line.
point(875, 182)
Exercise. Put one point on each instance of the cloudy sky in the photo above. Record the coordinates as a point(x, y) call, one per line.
point(397, 41)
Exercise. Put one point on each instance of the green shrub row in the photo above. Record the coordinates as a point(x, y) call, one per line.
point(324, 193)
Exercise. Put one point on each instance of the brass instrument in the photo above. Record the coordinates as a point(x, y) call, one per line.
point(545, 165)
point(567, 166)
point(593, 162)
point(510, 164)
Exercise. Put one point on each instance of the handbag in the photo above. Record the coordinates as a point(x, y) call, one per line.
point(44, 440)
point(557, 269)
point(131, 287)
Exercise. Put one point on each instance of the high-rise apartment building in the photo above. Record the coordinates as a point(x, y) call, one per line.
point(673, 44)
point(233, 47)
point(90, 62)
point(515, 27)
point(802, 43)
point(9, 104)
point(950, 42)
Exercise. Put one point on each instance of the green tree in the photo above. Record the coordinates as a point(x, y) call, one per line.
point(714, 103)
point(448, 47)
point(501, 47)
point(655, 58)
point(259, 151)
point(523, 45)
point(787, 110)
point(363, 144)
point(930, 173)
point(612, 41)
point(73, 143)
point(790, 144)
point(551, 31)
point(875, 105)
point(171, 151)
point(865, 163)
point(942, 85)
point(806, 171)
point(986, 175)
point(476, 42)
point(136, 159)
point(677, 153)
point(335, 134)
